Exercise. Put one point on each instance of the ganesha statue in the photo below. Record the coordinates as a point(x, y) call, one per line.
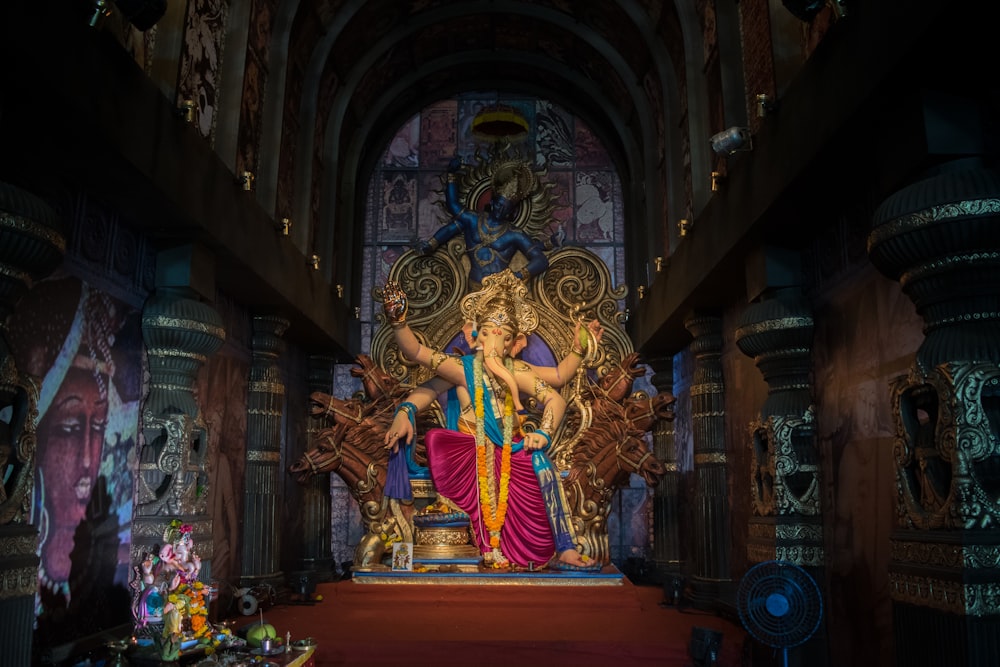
point(170, 604)
point(498, 392)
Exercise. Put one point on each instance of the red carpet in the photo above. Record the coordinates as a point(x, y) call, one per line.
point(524, 626)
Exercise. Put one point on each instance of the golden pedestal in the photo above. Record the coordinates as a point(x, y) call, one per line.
point(443, 542)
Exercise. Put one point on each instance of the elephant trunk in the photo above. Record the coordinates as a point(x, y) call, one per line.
point(494, 364)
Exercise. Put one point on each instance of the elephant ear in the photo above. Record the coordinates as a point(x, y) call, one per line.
point(520, 342)
point(467, 333)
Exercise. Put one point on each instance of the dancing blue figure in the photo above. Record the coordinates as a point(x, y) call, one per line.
point(491, 240)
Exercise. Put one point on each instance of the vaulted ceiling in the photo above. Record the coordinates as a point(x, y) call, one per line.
point(356, 71)
point(310, 92)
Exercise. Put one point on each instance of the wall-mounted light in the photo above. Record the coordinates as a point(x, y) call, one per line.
point(765, 105)
point(717, 180)
point(314, 262)
point(340, 291)
point(641, 291)
point(285, 226)
point(684, 225)
point(186, 110)
point(142, 14)
point(658, 263)
point(102, 10)
point(246, 180)
point(733, 140)
point(357, 312)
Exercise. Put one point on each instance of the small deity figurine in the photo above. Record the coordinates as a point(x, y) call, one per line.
point(180, 555)
point(168, 594)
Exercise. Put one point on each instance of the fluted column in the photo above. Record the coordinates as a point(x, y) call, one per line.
point(666, 536)
point(786, 523)
point(180, 333)
point(711, 547)
point(265, 406)
point(317, 554)
point(940, 238)
point(32, 244)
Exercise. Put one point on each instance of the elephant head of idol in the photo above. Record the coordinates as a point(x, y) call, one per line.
point(498, 323)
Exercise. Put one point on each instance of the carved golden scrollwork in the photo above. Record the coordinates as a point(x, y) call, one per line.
point(951, 556)
point(784, 476)
point(952, 596)
point(945, 446)
point(172, 479)
point(15, 494)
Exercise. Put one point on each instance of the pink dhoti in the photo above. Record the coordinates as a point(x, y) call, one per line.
point(526, 536)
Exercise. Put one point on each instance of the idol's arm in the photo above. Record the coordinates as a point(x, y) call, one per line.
point(396, 306)
point(415, 402)
point(444, 234)
point(553, 409)
point(537, 261)
point(558, 376)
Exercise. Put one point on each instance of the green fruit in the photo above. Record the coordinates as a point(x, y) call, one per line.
point(257, 632)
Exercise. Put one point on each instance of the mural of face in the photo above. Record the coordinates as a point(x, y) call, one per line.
point(72, 431)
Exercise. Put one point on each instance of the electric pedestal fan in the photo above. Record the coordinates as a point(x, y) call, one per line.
point(779, 604)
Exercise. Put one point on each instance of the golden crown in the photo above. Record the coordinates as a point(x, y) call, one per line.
point(502, 302)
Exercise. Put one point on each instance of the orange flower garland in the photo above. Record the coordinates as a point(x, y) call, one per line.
point(494, 513)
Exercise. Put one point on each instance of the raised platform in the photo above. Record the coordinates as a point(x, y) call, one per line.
point(457, 626)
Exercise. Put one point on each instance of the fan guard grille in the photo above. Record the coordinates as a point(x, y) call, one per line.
point(779, 604)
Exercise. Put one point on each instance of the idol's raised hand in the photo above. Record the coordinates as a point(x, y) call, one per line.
point(582, 341)
point(394, 303)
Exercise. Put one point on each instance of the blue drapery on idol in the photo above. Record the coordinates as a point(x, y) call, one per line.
point(402, 467)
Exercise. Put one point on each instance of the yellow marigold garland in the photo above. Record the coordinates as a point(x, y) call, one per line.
point(494, 505)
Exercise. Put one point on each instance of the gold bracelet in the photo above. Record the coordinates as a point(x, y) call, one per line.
point(398, 325)
point(437, 359)
point(577, 352)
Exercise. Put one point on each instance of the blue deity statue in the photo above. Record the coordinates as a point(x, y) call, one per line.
point(491, 238)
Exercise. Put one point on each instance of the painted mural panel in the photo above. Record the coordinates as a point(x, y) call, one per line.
point(201, 62)
point(85, 348)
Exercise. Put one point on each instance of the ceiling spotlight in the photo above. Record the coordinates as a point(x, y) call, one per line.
point(732, 140)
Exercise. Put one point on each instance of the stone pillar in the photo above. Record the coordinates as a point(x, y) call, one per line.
point(666, 525)
point(711, 585)
point(32, 244)
point(265, 407)
point(786, 523)
point(180, 333)
point(939, 238)
point(317, 538)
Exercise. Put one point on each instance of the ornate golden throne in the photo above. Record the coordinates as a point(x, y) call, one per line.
point(577, 286)
point(601, 441)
